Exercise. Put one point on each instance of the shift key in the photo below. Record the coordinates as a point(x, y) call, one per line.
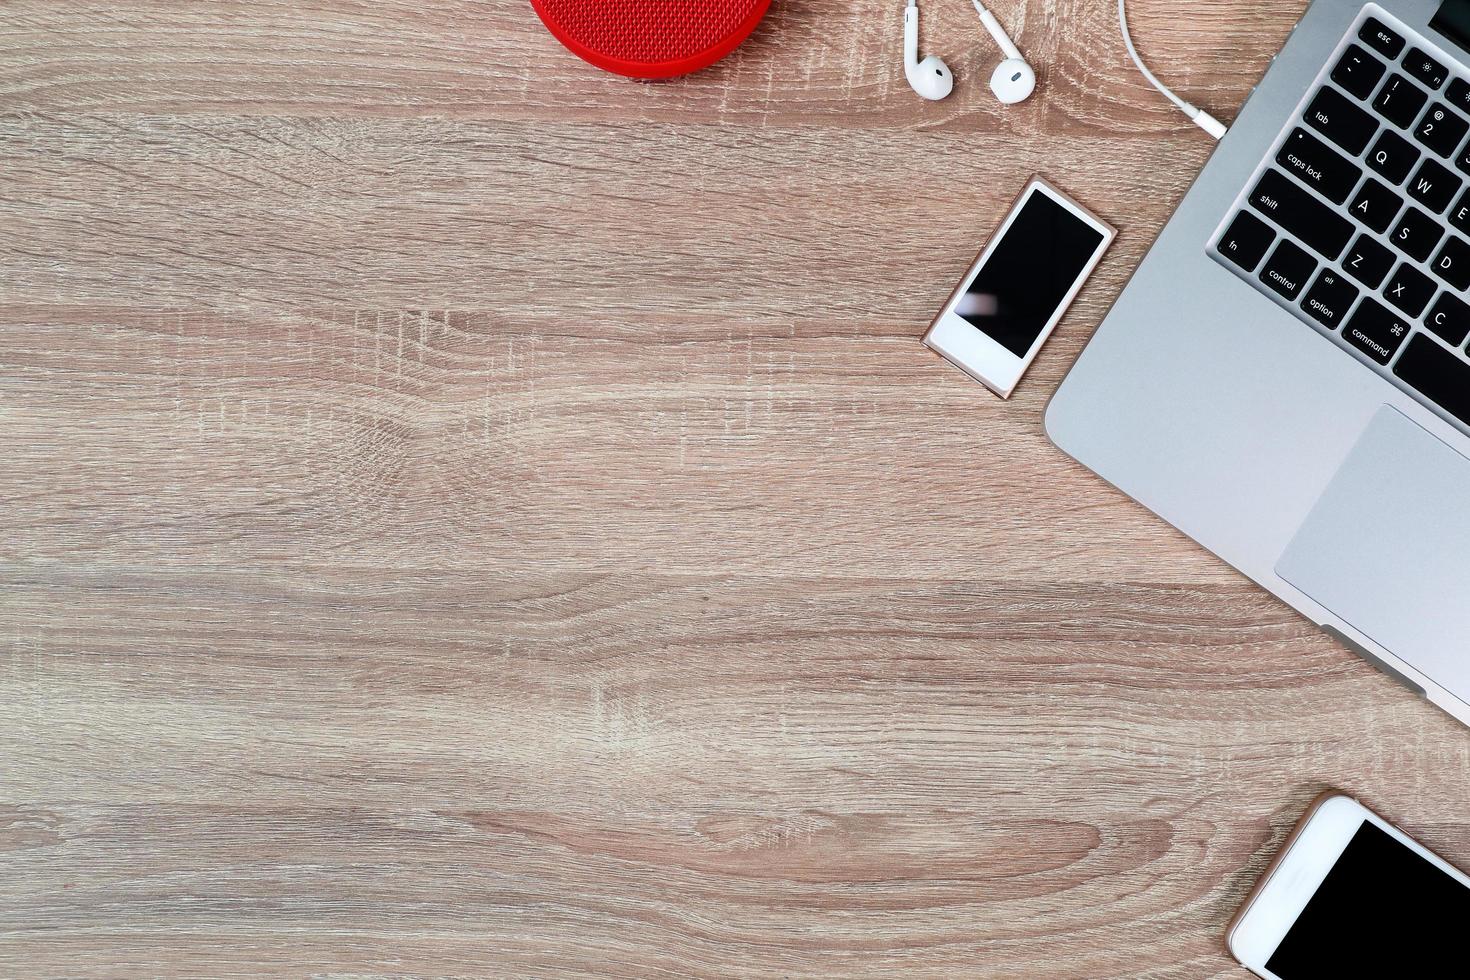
point(1293, 208)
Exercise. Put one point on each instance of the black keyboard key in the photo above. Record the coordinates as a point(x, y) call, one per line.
point(1318, 165)
point(1415, 234)
point(1460, 213)
point(1409, 289)
point(1399, 101)
point(1328, 300)
point(1346, 124)
point(1368, 262)
point(1438, 375)
point(1294, 208)
point(1246, 240)
point(1425, 68)
point(1449, 318)
point(1441, 130)
point(1433, 186)
point(1375, 205)
point(1288, 269)
point(1452, 264)
point(1375, 330)
point(1380, 38)
point(1458, 95)
point(1392, 156)
point(1357, 72)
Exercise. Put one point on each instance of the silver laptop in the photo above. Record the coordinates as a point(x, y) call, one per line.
point(1285, 378)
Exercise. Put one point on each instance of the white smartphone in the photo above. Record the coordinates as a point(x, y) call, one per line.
point(1351, 895)
point(996, 320)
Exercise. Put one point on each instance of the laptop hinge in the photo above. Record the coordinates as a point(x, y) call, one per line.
point(1453, 21)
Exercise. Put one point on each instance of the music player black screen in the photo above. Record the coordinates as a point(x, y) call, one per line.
point(1382, 911)
point(1028, 275)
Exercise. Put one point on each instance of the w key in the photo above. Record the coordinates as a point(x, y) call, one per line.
point(1317, 165)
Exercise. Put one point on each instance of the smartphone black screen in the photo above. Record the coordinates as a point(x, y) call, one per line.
point(1027, 275)
point(1382, 911)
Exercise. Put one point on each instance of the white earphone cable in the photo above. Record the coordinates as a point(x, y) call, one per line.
point(1201, 118)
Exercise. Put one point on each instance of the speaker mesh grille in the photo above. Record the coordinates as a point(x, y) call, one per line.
point(648, 32)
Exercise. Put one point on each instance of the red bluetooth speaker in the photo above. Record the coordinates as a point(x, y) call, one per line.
point(651, 38)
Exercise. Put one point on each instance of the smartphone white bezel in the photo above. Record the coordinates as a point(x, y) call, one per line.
point(1295, 877)
point(968, 347)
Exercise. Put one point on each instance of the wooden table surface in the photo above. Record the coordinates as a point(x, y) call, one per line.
point(466, 514)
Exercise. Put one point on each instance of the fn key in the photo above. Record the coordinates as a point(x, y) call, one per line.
point(1246, 240)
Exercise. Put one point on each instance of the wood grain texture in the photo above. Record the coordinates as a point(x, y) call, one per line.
point(465, 514)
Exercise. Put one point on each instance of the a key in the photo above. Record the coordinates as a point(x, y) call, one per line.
point(1367, 261)
point(1392, 156)
point(1293, 208)
point(1425, 68)
point(1380, 38)
point(1375, 330)
point(1375, 205)
point(1246, 240)
point(1399, 101)
point(1433, 186)
point(1438, 375)
point(1328, 300)
point(1452, 264)
point(1317, 165)
point(1409, 289)
point(1343, 122)
point(1357, 72)
point(1440, 129)
point(1449, 318)
point(1415, 234)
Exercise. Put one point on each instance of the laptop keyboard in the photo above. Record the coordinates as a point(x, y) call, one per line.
point(1359, 219)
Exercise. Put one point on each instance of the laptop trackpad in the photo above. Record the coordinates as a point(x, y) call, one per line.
point(1387, 547)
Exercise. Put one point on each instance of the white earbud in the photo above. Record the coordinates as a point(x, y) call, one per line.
point(931, 78)
point(1013, 80)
